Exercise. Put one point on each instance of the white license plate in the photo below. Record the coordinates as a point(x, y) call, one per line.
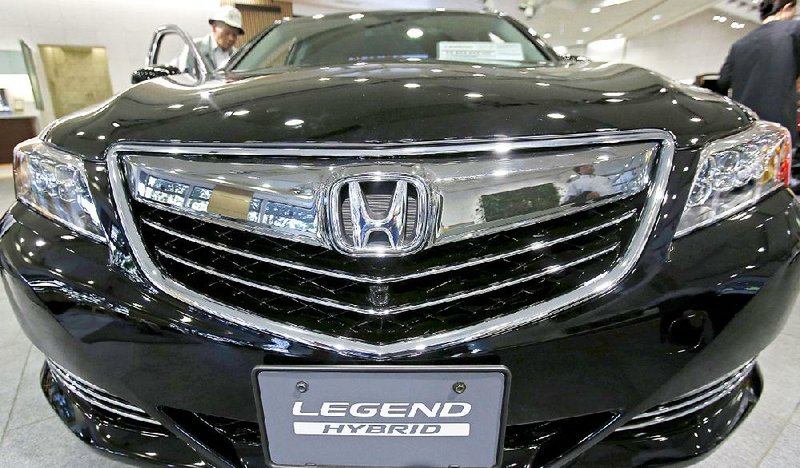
point(388, 416)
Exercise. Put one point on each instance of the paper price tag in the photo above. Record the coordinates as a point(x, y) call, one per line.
point(480, 51)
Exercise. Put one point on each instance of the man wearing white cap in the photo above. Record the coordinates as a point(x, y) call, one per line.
point(217, 47)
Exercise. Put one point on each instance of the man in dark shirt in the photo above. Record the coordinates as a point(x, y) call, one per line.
point(763, 67)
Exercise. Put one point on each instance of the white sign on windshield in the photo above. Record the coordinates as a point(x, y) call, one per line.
point(480, 51)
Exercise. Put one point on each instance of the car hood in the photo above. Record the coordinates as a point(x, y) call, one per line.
point(382, 103)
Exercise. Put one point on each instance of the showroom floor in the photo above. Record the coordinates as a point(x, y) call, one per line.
point(32, 436)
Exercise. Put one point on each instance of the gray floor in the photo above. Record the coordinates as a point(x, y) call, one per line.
point(32, 436)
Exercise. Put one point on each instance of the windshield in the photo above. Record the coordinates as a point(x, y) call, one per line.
point(386, 37)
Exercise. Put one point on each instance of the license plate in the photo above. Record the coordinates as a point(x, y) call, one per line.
point(387, 416)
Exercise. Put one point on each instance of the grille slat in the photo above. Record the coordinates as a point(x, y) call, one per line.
point(331, 302)
point(531, 247)
point(449, 256)
point(440, 289)
point(376, 328)
point(405, 295)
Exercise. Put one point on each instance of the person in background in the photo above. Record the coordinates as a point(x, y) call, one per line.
point(585, 185)
point(217, 47)
point(763, 67)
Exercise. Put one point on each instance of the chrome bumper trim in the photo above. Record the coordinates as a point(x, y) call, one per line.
point(691, 402)
point(98, 397)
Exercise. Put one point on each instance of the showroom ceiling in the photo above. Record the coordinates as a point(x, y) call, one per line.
point(572, 22)
point(741, 9)
point(575, 22)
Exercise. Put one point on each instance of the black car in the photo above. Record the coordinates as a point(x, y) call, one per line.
point(403, 239)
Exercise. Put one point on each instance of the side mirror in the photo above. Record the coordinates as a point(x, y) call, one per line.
point(156, 71)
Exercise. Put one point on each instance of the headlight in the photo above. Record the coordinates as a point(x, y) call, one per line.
point(53, 183)
point(735, 172)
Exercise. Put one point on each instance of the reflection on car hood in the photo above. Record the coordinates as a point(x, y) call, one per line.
point(401, 102)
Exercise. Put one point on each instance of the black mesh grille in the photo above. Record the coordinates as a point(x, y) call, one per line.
point(323, 302)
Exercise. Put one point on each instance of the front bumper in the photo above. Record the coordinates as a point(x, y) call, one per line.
point(115, 427)
point(668, 329)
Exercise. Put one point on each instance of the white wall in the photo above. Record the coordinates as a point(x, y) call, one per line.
point(684, 50)
point(18, 87)
point(123, 27)
point(609, 50)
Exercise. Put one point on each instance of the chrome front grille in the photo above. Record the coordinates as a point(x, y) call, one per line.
point(97, 397)
point(517, 255)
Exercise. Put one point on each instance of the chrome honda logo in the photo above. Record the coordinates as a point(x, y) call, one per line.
point(379, 215)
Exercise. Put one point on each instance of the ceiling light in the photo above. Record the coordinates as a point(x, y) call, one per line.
point(414, 33)
point(586, 29)
point(547, 35)
point(356, 16)
point(656, 17)
point(412, 85)
point(580, 42)
point(595, 10)
point(318, 16)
